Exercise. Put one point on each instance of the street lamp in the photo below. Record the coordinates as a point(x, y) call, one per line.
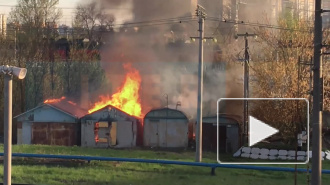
point(20, 73)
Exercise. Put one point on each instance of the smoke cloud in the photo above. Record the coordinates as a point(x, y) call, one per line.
point(168, 69)
point(144, 10)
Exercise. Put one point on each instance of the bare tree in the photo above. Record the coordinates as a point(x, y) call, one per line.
point(94, 19)
point(28, 20)
point(35, 12)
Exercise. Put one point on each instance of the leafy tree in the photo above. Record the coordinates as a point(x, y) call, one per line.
point(275, 74)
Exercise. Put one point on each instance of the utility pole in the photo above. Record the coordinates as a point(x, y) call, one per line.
point(246, 84)
point(15, 51)
point(302, 70)
point(309, 77)
point(200, 12)
point(317, 99)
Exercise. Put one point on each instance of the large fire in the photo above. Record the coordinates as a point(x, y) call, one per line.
point(127, 96)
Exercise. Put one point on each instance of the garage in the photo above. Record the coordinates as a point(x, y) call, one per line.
point(229, 133)
point(110, 127)
point(53, 123)
point(165, 128)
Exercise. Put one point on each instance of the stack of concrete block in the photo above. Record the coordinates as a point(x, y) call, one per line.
point(274, 154)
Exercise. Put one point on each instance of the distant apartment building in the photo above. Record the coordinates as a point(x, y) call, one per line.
point(265, 11)
point(306, 8)
point(214, 8)
point(303, 8)
point(151, 9)
point(3, 25)
point(326, 16)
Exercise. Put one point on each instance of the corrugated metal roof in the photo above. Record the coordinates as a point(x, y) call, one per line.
point(63, 106)
point(70, 107)
point(160, 114)
point(225, 119)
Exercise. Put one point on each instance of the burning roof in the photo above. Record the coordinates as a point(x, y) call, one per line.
point(69, 107)
point(110, 108)
point(127, 96)
point(63, 105)
point(126, 99)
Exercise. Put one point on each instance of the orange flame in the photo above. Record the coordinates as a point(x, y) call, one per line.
point(127, 97)
point(72, 103)
point(54, 100)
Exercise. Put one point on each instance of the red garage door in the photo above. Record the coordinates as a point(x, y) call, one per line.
point(54, 134)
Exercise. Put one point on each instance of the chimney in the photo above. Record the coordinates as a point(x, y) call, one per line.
point(84, 96)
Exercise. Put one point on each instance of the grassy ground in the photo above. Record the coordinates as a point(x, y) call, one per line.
point(42, 171)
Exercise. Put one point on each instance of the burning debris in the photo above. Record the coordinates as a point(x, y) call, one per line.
point(72, 103)
point(67, 105)
point(55, 100)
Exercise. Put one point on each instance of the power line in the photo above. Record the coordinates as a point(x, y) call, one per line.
point(258, 25)
point(160, 20)
point(153, 24)
point(70, 8)
point(192, 18)
point(143, 23)
point(305, 10)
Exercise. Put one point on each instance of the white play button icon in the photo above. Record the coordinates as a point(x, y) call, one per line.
point(259, 131)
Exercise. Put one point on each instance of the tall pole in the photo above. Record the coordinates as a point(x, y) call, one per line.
point(9, 71)
point(317, 100)
point(310, 84)
point(7, 129)
point(201, 14)
point(15, 52)
point(246, 87)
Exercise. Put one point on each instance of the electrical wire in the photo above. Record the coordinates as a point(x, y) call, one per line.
point(153, 24)
point(185, 19)
point(299, 9)
point(157, 22)
point(192, 18)
point(257, 25)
